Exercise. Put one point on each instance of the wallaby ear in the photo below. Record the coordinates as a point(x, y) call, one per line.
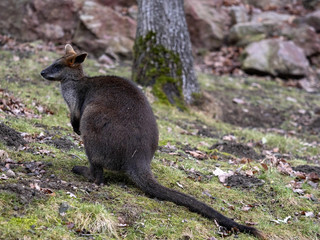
point(80, 58)
point(69, 50)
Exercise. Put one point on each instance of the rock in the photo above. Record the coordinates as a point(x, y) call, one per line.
point(133, 12)
point(10, 173)
point(3, 156)
point(276, 58)
point(51, 31)
point(271, 17)
point(238, 14)
point(206, 23)
point(244, 33)
point(31, 20)
point(63, 208)
point(304, 36)
point(313, 19)
point(102, 28)
point(112, 3)
point(53, 20)
point(311, 4)
point(12, 21)
point(104, 59)
point(268, 4)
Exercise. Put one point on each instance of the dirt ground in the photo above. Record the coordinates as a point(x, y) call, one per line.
point(11, 137)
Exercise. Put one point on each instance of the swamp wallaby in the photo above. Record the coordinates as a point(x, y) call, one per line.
point(119, 132)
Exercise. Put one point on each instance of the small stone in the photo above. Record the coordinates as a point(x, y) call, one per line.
point(310, 214)
point(64, 207)
point(3, 156)
point(10, 173)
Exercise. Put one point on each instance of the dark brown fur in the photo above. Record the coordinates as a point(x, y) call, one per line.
point(119, 132)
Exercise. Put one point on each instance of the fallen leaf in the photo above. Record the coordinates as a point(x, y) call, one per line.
point(197, 154)
point(238, 101)
point(179, 184)
point(265, 166)
point(35, 186)
point(229, 138)
point(3, 155)
point(309, 214)
point(3, 177)
point(48, 191)
point(299, 191)
point(250, 223)
point(249, 173)
point(71, 195)
point(314, 177)
point(222, 175)
point(70, 225)
point(290, 99)
point(246, 208)
point(278, 221)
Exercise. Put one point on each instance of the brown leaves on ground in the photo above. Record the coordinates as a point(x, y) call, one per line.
point(12, 106)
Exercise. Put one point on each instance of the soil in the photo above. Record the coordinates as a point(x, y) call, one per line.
point(61, 143)
point(253, 116)
point(307, 169)
point(315, 126)
point(198, 128)
point(247, 114)
point(11, 137)
point(242, 181)
point(24, 193)
point(237, 149)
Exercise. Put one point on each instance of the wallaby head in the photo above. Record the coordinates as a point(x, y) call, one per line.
point(66, 67)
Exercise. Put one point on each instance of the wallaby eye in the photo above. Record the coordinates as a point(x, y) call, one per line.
point(57, 67)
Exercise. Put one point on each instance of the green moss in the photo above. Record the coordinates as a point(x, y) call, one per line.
point(160, 68)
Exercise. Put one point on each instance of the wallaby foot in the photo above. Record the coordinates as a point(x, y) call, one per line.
point(94, 173)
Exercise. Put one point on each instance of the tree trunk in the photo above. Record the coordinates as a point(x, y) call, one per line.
point(162, 52)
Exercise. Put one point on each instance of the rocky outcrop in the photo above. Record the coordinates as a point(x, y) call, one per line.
point(313, 19)
point(222, 27)
point(276, 58)
point(270, 17)
point(242, 34)
point(103, 29)
point(268, 4)
point(238, 14)
point(304, 36)
point(38, 19)
point(207, 25)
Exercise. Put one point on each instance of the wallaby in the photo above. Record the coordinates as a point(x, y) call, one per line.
point(119, 132)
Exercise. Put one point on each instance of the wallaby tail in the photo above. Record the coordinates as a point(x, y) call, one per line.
point(144, 179)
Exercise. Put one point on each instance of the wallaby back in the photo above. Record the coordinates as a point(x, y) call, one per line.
point(119, 132)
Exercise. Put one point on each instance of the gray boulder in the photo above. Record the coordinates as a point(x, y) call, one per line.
point(103, 29)
point(304, 36)
point(238, 14)
point(268, 4)
point(261, 26)
point(313, 19)
point(207, 23)
point(270, 17)
point(242, 34)
point(276, 58)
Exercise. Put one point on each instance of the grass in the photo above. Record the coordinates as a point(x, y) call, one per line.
point(121, 211)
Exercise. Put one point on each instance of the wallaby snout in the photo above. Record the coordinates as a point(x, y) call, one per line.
point(45, 74)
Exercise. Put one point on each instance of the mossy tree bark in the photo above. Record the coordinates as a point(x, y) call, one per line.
point(162, 52)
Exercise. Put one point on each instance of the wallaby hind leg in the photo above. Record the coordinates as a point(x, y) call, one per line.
point(94, 173)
